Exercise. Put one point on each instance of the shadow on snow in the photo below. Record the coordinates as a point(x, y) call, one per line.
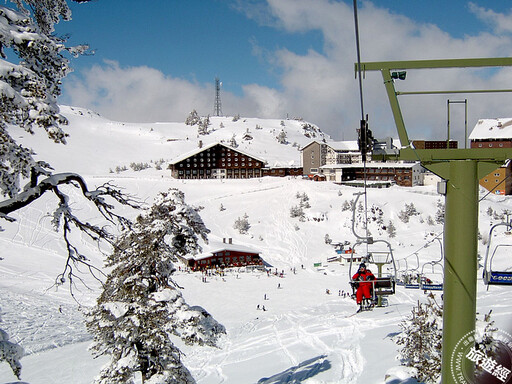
point(299, 373)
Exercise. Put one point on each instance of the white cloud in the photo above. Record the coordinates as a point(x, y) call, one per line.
point(140, 94)
point(320, 86)
point(499, 22)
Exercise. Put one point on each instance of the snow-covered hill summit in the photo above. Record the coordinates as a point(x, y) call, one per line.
point(119, 144)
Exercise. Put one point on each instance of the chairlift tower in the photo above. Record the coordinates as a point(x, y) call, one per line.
point(461, 169)
point(217, 106)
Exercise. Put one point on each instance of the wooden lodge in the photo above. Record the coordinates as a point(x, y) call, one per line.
point(226, 255)
point(216, 161)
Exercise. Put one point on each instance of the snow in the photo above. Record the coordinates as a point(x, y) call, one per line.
point(499, 128)
point(304, 335)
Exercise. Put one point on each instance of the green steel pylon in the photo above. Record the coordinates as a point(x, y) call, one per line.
point(462, 169)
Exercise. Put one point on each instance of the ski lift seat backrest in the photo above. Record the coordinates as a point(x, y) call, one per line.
point(384, 286)
point(494, 276)
point(499, 278)
point(382, 257)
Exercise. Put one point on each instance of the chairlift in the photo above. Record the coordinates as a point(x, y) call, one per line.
point(382, 285)
point(493, 274)
point(412, 283)
point(428, 285)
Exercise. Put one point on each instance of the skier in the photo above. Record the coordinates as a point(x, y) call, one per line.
point(363, 277)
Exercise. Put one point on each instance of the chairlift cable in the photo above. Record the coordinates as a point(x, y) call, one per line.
point(496, 186)
point(358, 51)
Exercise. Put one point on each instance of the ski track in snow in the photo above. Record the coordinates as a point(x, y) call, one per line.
point(38, 323)
point(289, 340)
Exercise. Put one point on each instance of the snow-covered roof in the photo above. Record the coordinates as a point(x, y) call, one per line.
point(498, 128)
point(370, 165)
point(284, 164)
point(204, 148)
point(350, 145)
point(218, 246)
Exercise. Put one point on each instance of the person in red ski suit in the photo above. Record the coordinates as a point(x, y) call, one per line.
point(364, 278)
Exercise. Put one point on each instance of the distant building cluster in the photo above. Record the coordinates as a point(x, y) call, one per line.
point(495, 133)
point(341, 161)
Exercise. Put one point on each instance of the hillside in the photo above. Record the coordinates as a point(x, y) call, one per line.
point(119, 144)
point(305, 335)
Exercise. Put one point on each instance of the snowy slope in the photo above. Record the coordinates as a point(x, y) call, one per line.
point(305, 335)
point(107, 144)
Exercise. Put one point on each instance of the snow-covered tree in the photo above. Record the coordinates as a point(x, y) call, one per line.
point(408, 211)
point(232, 141)
point(440, 212)
point(391, 230)
point(193, 118)
point(32, 65)
point(141, 308)
point(202, 128)
point(242, 224)
point(421, 339)
point(297, 211)
point(11, 353)
point(281, 137)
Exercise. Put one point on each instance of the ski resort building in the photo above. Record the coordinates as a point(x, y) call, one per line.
point(399, 173)
point(216, 161)
point(226, 255)
point(316, 154)
point(495, 133)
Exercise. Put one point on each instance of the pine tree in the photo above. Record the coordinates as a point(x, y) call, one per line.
point(391, 230)
point(281, 137)
point(203, 125)
point(232, 142)
point(11, 352)
point(140, 308)
point(193, 118)
point(242, 224)
point(421, 340)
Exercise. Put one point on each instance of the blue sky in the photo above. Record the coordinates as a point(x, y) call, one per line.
point(157, 60)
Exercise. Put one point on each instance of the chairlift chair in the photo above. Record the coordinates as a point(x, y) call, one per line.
point(492, 275)
point(382, 285)
point(424, 285)
point(410, 284)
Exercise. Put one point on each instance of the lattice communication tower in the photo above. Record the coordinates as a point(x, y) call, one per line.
point(217, 107)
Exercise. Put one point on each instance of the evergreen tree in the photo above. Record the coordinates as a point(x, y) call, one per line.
point(440, 212)
point(242, 224)
point(421, 339)
point(11, 353)
point(232, 142)
point(281, 137)
point(140, 307)
point(391, 230)
point(193, 118)
point(203, 125)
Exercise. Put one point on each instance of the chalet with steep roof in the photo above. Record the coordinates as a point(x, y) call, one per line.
point(216, 161)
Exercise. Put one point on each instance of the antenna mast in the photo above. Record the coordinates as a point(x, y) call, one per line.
point(217, 107)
